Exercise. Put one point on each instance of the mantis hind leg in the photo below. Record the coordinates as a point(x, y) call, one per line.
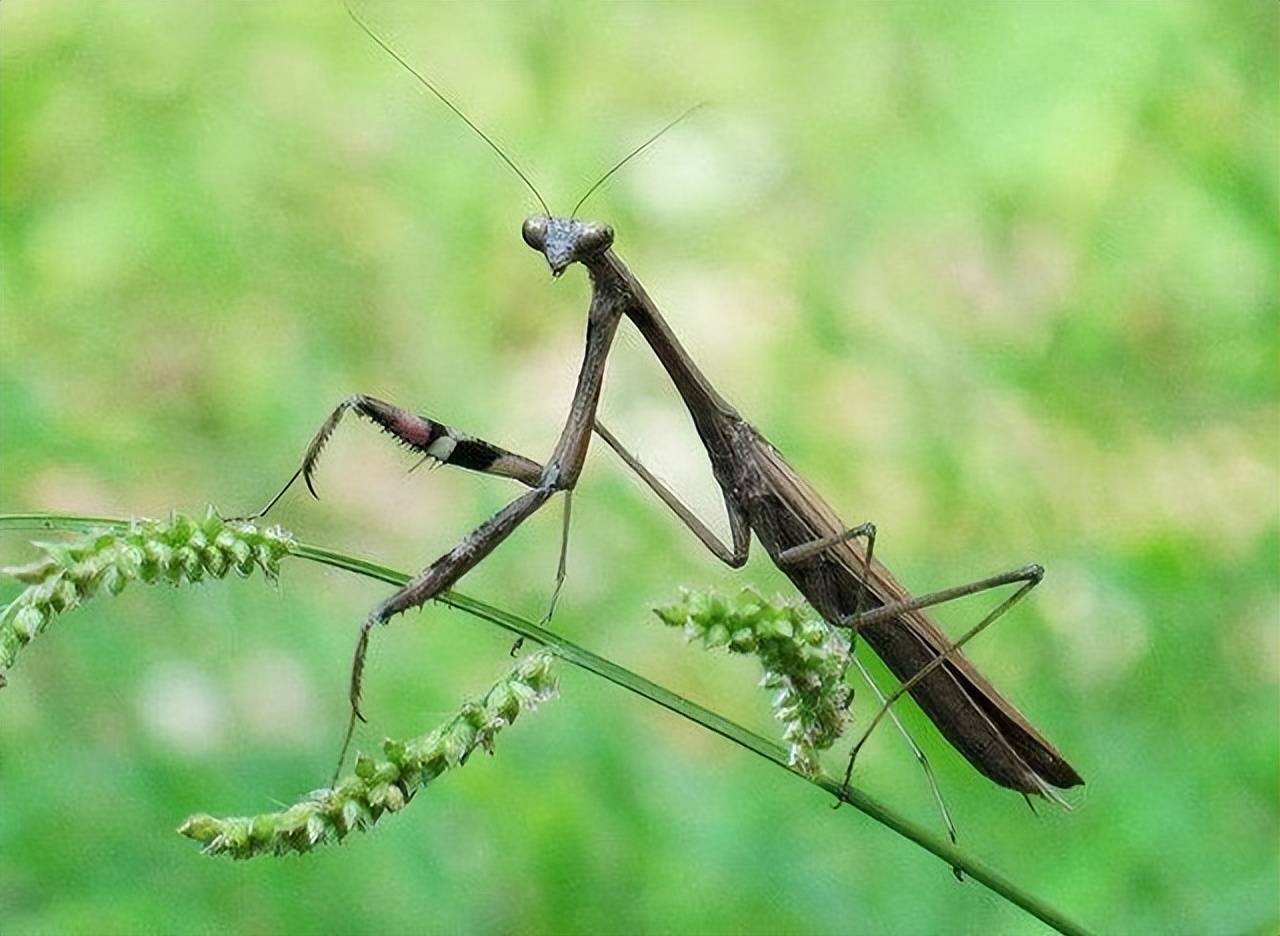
point(807, 551)
point(917, 752)
point(1029, 576)
point(440, 444)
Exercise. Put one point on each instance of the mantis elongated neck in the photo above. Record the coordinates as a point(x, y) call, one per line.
point(705, 404)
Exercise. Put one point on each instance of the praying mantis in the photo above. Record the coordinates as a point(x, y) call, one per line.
point(830, 563)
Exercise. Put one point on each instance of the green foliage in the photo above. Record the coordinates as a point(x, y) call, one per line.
point(176, 551)
point(376, 787)
point(803, 657)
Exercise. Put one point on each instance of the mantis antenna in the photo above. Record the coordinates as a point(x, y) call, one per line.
point(635, 152)
point(430, 86)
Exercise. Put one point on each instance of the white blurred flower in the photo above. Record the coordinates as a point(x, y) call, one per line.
point(273, 697)
point(181, 708)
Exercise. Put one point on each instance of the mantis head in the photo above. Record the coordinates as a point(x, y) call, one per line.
point(566, 240)
point(561, 240)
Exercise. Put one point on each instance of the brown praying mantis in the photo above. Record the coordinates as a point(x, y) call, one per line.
point(831, 564)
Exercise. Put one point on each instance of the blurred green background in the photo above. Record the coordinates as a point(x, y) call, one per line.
point(1003, 280)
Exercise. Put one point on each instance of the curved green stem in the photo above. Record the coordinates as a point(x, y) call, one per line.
point(581, 657)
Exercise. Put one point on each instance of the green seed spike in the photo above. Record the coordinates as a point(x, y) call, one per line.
point(804, 661)
point(179, 550)
point(376, 787)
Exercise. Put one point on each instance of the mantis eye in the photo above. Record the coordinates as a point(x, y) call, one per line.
point(534, 232)
point(595, 238)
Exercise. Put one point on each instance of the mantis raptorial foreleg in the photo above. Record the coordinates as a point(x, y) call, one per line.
point(433, 440)
point(438, 443)
point(559, 474)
